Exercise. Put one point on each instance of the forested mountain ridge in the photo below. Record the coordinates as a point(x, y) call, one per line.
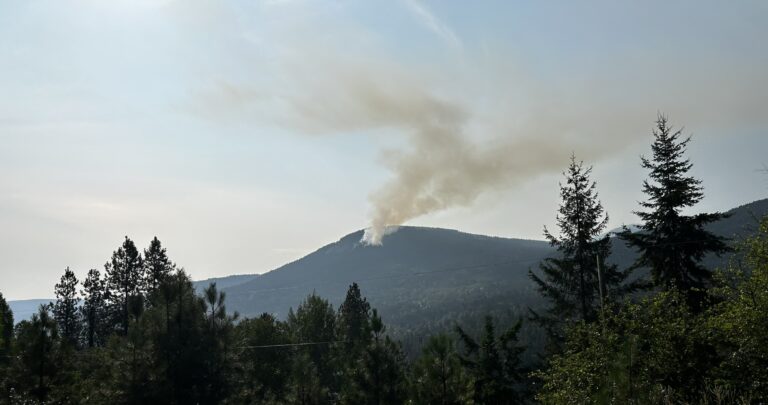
point(419, 274)
point(424, 280)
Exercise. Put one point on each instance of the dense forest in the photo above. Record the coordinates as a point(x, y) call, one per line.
point(667, 329)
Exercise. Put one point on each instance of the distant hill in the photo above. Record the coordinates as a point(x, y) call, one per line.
point(422, 280)
point(23, 309)
point(429, 278)
point(223, 282)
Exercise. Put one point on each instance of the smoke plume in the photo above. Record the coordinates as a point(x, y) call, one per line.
point(442, 163)
point(440, 166)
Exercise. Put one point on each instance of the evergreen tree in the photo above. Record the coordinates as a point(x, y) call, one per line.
point(6, 329)
point(38, 365)
point(571, 282)
point(262, 373)
point(740, 319)
point(6, 341)
point(124, 278)
point(353, 322)
point(65, 309)
point(494, 364)
point(670, 243)
point(218, 336)
point(315, 321)
point(94, 309)
point(379, 377)
point(438, 375)
point(157, 266)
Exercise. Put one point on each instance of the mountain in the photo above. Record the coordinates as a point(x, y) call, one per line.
point(429, 278)
point(23, 309)
point(223, 282)
point(422, 280)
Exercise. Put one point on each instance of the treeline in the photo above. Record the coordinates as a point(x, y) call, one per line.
point(665, 330)
point(139, 334)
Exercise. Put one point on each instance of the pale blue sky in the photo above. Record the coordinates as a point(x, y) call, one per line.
point(243, 134)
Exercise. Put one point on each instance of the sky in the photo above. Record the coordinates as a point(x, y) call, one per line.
point(245, 134)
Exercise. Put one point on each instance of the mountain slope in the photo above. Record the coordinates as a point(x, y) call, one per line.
point(430, 279)
point(412, 264)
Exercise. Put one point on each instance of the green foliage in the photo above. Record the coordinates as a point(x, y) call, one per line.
point(438, 376)
point(262, 371)
point(740, 320)
point(39, 367)
point(157, 266)
point(124, 281)
point(315, 321)
point(575, 282)
point(494, 364)
point(353, 323)
point(93, 313)
point(6, 329)
point(671, 244)
point(378, 377)
point(661, 349)
point(65, 309)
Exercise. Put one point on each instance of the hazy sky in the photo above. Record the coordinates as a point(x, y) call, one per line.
point(246, 134)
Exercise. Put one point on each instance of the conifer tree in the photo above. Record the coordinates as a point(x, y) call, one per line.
point(380, 374)
point(6, 330)
point(315, 321)
point(438, 375)
point(571, 282)
point(38, 365)
point(94, 309)
point(65, 309)
point(124, 281)
point(672, 244)
point(157, 266)
point(494, 364)
point(353, 323)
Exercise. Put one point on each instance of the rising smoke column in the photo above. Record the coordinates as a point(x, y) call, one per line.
point(440, 167)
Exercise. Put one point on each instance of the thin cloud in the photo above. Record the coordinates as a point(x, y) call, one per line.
point(434, 24)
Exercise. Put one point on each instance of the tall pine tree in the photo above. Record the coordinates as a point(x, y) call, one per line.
point(65, 309)
point(379, 376)
point(353, 323)
point(670, 243)
point(94, 310)
point(494, 364)
point(6, 330)
point(124, 282)
point(157, 266)
point(571, 282)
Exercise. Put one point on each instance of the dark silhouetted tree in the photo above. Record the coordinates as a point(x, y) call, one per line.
point(494, 364)
point(157, 266)
point(94, 309)
point(438, 375)
point(571, 282)
point(379, 377)
point(6, 329)
point(65, 310)
point(124, 281)
point(38, 365)
point(314, 321)
point(671, 244)
point(353, 330)
point(262, 374)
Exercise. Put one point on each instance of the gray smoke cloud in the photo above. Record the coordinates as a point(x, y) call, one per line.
point(445, 162)
point(440, 166)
